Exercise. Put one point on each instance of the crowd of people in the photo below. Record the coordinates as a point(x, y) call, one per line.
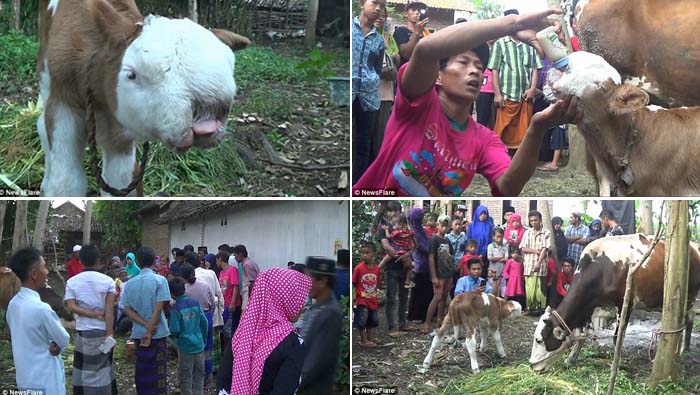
point(279, 329)
point(454, 254)
point(414, 93)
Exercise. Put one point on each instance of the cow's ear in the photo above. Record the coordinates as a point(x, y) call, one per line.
point(232, 40)
point(627, 99)
point(644, 239)
point(114, 26)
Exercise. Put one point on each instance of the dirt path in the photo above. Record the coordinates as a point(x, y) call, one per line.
point(394, 363)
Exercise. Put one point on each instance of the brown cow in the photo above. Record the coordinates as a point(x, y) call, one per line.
point(10, 285)
point(469, 310)
point(650, 42)
point(600, 282)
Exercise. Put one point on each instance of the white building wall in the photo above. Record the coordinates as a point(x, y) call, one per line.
point(274, 232)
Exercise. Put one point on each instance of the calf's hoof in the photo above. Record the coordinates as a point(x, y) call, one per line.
point(424, 368)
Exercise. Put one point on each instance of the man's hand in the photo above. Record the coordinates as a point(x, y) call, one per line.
point(529, 95)
point(54, 349)
point(536, 269)
point(421, 25)
point(435, 281)
point(562, 112)
point(146, 340)
point(528, 24)
point(498, 100)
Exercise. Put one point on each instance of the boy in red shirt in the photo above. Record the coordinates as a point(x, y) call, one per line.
point(563, 282)
point(365, 279)
point(431, 227)
point(470, 253)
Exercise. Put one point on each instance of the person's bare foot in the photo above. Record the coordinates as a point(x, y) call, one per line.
point(368, 344)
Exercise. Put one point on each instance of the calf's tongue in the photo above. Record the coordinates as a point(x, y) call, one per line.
point(206, 127)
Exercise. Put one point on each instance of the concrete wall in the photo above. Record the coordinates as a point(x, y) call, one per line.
point(274, 232)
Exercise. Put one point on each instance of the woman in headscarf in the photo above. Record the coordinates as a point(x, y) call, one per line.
point(211, 260)
point(514, 230)
point(267, 351)
point(481, 229)
point(132, 268)
point(594, 230)
point(422, 293)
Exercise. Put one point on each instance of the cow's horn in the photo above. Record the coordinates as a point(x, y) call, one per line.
point(559, 333)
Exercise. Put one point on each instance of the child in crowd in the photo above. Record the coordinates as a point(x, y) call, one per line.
point(513, 274)
point(497, 255)
point(469, 254)
point(551, 277)
point(563, 282)
point(515, 230)
point(365, 279)
point(403, 241)
point(441, 268)
point(431, 225)
point(458, 239)
point(188, 325)
point(473, 282)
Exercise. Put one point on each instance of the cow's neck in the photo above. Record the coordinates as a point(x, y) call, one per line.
point(576, 309)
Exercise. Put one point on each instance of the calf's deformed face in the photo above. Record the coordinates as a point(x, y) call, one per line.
point(586, 70)
point(176, 83)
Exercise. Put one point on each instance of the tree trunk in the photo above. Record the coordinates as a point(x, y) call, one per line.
point(647, 224)
point(87, 222)
point(192, 10)
point(667, 361)
point(3, 208)
point(19, 234)
point(40, 226)
point(16, 15)
point(310, 40)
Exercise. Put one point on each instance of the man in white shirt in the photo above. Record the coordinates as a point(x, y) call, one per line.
point(36, 331)
point(90, 296)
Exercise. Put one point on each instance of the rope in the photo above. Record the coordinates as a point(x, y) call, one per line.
point(655, 338)
point(92, 141)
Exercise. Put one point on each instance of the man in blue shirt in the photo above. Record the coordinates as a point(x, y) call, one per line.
point(367, 59)
point(473, 282)
point(144, 298)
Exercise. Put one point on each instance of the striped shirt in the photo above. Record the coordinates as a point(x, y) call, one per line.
point(575, 250)
point(514, 63)
point(537, 240)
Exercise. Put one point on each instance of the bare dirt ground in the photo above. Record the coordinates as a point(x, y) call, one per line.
point(395, 362)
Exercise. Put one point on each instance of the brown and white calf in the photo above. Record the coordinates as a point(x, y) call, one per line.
point(150, 78)
point(633, 149)
point(470, 310)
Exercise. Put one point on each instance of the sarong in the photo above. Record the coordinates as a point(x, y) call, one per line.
point(151, 374)
point(534, 296)
point(93, 371)
point(208, 361)
point(512, 122)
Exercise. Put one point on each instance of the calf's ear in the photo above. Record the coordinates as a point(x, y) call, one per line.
point(627, 99)
point(232, 40)
point(116, 26)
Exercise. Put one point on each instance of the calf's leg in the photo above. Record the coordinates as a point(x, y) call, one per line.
point(499, 344)
point(484, 329)
point(64, 173)
point(436, 342)
point(470, 345)
point(118, 167)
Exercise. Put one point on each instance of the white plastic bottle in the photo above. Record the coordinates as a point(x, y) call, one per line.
point(553, 48)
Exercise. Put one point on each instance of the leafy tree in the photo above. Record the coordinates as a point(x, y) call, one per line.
point(487, 9)
point(121, 222)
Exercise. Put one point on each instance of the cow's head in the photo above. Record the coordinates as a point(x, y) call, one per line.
point(549, 343)
point(175, 81)
point(513, 308)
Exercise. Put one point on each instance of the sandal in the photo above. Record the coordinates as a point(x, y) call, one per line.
point(408, 328)
point(368, 344)
point(394, 334)
point(424, 331)
point(409, 285)
point(547, 168)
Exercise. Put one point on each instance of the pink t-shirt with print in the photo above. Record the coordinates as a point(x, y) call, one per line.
point(422, 155)
point(487, 86)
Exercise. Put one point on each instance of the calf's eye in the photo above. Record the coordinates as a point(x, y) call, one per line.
point(131, 75)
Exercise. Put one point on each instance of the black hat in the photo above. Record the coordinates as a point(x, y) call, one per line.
point(179, 252)
point(320, 265)
point(509, 209)
point(461, 207)
point(483, 52)
point(343, 257)
point(416, 5)
point(202, 248)
point(512, 11)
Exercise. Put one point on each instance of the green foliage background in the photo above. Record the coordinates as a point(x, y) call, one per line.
point(122, 225)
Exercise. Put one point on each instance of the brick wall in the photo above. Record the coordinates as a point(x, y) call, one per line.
point(154, 235)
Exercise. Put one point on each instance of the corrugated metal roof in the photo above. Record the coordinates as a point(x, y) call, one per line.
point(463, 5)
point(280, 4)
point(184, 209)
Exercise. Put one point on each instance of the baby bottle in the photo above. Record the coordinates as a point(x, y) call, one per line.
point(553, 48)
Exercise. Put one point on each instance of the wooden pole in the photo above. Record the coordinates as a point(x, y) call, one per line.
point(647, 223)
point(19, 233)
point(622, 324)
point(3, 208)
point(87, 222)
point(667, 360)
point(40, 225)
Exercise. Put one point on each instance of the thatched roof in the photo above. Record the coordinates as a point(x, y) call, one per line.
point(184, 209)
point(279, 4)
point(60, 222)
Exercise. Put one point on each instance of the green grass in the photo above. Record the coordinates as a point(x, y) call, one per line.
point(17, 62)
point(590, 376)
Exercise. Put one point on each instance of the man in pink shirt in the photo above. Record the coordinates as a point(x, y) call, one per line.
point(432, 146)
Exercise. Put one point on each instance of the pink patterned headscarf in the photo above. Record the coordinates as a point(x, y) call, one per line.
point(278, 297)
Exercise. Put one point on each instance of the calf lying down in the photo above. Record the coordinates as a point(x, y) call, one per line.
point(471, 310)
point(633, 149)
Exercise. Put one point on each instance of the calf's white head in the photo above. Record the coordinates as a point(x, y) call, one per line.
point(586, 70)
point(175, 81)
